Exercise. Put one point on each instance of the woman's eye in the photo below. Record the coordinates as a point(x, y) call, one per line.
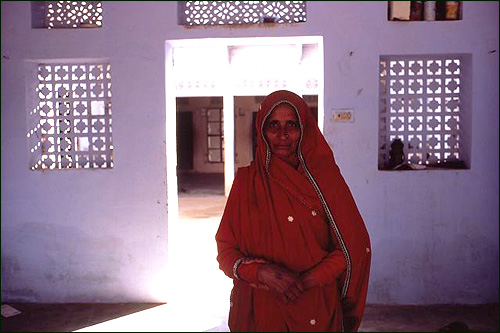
point(292, 124)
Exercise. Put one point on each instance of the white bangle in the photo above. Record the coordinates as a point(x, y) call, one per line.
point(235, 267)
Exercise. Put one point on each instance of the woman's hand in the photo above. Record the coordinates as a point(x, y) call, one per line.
point(284, 283)
point(308, 281)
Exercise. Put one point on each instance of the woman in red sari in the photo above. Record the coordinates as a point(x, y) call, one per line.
point(291, 235)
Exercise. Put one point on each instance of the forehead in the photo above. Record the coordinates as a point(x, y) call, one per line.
point(283, 111)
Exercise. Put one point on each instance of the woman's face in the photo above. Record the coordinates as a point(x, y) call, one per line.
point(282, 132)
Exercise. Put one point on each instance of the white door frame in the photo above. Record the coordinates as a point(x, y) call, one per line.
point(225, 86)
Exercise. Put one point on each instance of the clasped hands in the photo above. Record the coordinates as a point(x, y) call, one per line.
point(285, 284)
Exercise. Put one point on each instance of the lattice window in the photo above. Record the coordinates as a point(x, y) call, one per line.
point(72, 121)
point(421, 109)
point(215, 135)
point(73, 14)
point(241, 12)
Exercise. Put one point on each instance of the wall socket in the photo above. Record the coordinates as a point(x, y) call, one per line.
point(343, 115)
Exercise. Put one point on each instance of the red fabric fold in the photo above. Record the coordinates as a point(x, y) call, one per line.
point(248, 272)
point(330, 268)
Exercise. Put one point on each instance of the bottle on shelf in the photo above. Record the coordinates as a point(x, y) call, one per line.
point(452, 10)
point(430, 10)
point(416, 10)
point(440, 10)
point(399, 10)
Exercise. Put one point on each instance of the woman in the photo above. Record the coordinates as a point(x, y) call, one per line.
point(291, 235)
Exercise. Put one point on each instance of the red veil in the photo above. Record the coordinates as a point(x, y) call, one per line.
point(270, 191)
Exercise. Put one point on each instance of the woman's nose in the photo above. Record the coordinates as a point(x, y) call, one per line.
point(283, 134)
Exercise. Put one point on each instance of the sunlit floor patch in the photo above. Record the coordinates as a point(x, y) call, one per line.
point(198, 291)
point(164, 318)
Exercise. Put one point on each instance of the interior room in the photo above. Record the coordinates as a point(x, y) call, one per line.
point(124, 123)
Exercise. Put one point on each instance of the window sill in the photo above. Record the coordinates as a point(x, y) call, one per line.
point(459, 165)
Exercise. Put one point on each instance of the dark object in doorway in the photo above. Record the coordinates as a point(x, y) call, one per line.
point(456, 326)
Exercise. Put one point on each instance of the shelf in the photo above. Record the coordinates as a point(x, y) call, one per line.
point(414, 11)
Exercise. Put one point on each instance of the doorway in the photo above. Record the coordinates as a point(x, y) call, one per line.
point(240, 72)
point(200, 146)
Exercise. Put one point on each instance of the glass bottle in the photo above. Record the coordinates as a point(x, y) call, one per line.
point(430, 10)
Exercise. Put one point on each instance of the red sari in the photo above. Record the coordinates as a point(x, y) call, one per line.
point(304, 219)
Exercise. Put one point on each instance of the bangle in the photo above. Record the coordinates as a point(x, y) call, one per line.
point(245, 260)
point(235, 267)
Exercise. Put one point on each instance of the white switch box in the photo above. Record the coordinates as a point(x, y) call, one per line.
point(343, 115)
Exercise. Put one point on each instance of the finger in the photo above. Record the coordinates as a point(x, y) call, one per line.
point(293, 293)
point(277, 286)
point(285, 297)
point(283, 285)
point(300, 286)
point(288, 278)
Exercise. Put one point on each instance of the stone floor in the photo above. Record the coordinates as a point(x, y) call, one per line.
point(190, 183)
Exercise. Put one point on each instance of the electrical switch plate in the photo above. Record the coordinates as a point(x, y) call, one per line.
point(343, 115)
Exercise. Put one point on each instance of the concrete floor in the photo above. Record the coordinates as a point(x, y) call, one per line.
point(150, 317)
point(206, 305)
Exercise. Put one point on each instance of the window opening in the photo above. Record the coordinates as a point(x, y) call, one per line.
point(215, 135)
point(241, 12)
point(421, 112)
point(72, 121)
point(66, 14)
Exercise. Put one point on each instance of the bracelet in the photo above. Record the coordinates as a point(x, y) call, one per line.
point(245, 260)
point(235, 267)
